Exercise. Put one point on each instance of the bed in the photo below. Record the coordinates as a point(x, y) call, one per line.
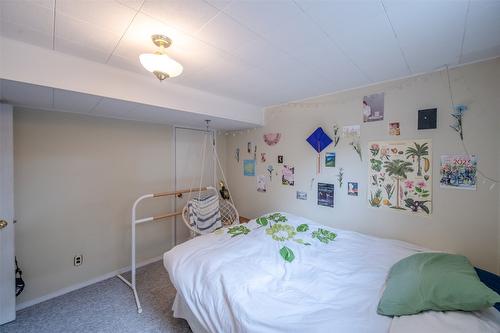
point(303, 278)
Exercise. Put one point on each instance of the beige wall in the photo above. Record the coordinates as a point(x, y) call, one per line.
point(462, 221)
point(76, 178)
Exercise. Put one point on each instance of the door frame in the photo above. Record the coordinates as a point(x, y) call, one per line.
point(174, 166)
point(7, 265)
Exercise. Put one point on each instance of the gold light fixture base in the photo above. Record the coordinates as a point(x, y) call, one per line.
point(161, 41)
point(160, 75)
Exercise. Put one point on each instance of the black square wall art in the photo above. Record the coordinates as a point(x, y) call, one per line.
point(427, 119)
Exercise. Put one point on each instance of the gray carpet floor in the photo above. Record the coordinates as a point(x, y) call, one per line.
point(106, 306)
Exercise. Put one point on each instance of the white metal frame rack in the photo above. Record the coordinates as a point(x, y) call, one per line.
point(135, 222)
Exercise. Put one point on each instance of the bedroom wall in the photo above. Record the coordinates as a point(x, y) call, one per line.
point(466, 222)
point(76, 178)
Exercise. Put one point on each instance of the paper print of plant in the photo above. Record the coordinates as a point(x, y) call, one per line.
point(384, 153)
point(340, 177)
point(324, 235)
point(381, 178)
point(270, 169)
point(376, 199)
point(389, 189)
point(418, 152)
point(336, 136)
point(398, 170)
point(420, 191)
point(374, 148)
point(376, 164)
point(357, 148)
point(414, 205)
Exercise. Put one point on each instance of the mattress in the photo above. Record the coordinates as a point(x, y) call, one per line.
point(241, 280)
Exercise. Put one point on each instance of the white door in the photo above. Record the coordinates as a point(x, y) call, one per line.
point(7, 271)
point(189, 167)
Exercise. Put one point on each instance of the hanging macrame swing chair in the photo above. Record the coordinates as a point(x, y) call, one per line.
point(208, 209)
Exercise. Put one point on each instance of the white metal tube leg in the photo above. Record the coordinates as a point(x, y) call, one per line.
point(132, 283)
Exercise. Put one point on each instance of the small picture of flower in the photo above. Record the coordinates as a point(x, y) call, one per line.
point(409, 184)
point(375, 148)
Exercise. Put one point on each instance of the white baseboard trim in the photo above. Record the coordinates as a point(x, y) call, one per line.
point(66, 290)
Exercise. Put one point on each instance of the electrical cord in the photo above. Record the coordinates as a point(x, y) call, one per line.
point(482, 174)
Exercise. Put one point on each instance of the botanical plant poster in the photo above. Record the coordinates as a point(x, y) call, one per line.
point(400, 175)
point(458, 171)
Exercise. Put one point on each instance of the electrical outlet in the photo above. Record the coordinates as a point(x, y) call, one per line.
point(78, 260)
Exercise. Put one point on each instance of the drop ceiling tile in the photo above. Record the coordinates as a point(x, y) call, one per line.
point(81, 50)
point(226, 34)
point(25, 34)
point(128, 65)
point(219, 4)
point(262, 17)
point(34, 15)
point(362, 31)
point(482, 37)
point(327, 60)
point(439, 42)
point(106, 15)
point(187, 16)
point(263, 55)
point(137, 39)
point(133, 4)
point(29, 22)
point(23, 94)
point(81, 38)
point(282, 23)
point(70, 101)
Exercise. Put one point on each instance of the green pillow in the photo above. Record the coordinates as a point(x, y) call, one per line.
point(434, 281)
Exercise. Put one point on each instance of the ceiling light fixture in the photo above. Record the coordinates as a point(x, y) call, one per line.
point(159, 63)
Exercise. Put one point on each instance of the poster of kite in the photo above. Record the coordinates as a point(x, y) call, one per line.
point(400, 176)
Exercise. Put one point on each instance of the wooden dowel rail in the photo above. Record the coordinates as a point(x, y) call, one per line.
point(180, 192)
point(161, 217)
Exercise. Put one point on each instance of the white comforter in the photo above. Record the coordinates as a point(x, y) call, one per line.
point(242, 284)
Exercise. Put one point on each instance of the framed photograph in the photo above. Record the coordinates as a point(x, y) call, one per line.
point(352, 189)
point(325, 194)
point(249, 168)
point(330, 160)
point(394, 128)
point(301, 195)
point(373, 107)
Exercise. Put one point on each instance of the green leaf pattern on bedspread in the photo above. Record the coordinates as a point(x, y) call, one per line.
point(281, 231)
